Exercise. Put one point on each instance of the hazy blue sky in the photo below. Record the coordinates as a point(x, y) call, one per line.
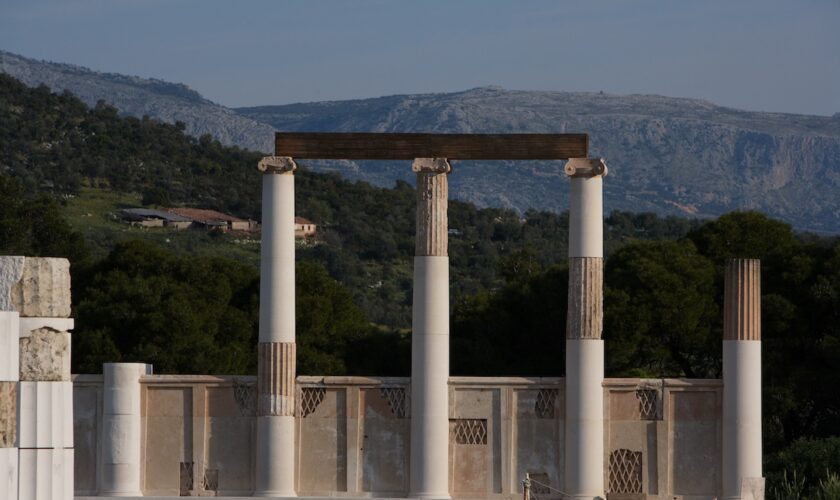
point(754, 54)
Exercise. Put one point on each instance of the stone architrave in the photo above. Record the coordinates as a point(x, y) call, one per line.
point(45, 356)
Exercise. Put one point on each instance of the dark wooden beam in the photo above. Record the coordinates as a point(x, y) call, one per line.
point(367, 146)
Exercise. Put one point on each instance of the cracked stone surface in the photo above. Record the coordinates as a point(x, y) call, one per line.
point(11, 271)
point(8, 414)
point(45, 356)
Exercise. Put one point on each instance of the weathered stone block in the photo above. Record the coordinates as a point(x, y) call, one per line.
point(44, 288)
point(11, 271)
point(45, 356)
point(8, 414)
point(46, 415)
point(9, 346)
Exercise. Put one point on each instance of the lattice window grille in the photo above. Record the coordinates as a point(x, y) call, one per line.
point(211, 480)
point(397, 400)
point(471, 431)
point(544, 405)
point(245, 395)
point(625, 471)
point(310, 398)
point(648, 403)
point(186, 477)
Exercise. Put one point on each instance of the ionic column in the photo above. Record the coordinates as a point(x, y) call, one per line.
point(275, 474)
point(584, 474)
point(742, 473)
point(121, 429)
point(430, 334)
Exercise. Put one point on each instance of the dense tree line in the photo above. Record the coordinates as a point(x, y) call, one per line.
point(663, 276)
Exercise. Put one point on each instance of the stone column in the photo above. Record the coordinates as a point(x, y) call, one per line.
point(275, 474)
point(38, 291)
point(121, 429)
point(742, 472)
point(9, 376)
point(430, 334)
point(584, 474)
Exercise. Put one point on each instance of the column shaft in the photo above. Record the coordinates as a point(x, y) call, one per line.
point(121, 429)
point(430, 335)
point(275, 474)
point(584, 472)
point(742, 467)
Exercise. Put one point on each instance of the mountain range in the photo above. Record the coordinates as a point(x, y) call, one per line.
point(665, 155)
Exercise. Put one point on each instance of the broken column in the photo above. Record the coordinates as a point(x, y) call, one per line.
point(38, 289)
point(430, 334)
point(275, 474)
point(742, 472)
point(584, 474)
point(121, 429)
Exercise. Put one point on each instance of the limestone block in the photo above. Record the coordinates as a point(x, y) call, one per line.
point(8, 414)
point(38, 287)
point(45, 356)
point(45, 415)
point(11, 271)
point(9, 346)
point(46, 474)
point(8, 473)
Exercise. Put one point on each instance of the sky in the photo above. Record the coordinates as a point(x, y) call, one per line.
point(762, 55)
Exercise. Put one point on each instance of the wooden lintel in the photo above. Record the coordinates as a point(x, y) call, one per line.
point(389, 146)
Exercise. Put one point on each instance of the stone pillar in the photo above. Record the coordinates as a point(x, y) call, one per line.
point(742, 472)
point(121, 429)
point(430, 334)
point(35, 296)
point(275, 474)
point(584, 474)
point(9, 376)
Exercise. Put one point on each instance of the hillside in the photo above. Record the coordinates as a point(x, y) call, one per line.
point(135, 96)
point(666, 155)
point(670, 156)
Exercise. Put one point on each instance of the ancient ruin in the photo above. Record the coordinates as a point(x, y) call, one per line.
point(129, 432)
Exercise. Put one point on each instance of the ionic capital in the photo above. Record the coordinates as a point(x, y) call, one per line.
point(586, 167)
point(277, 165)
point(431, 166)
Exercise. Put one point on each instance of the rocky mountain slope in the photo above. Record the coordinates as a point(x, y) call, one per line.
point(666, 155)
point(135, 96)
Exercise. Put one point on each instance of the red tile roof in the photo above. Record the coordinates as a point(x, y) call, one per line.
point(201, 215)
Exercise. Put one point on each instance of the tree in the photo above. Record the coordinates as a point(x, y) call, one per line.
point(660, 315)
point(35, 227)
point(184, 315)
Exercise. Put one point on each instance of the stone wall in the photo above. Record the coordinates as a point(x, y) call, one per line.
point(663, 437)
